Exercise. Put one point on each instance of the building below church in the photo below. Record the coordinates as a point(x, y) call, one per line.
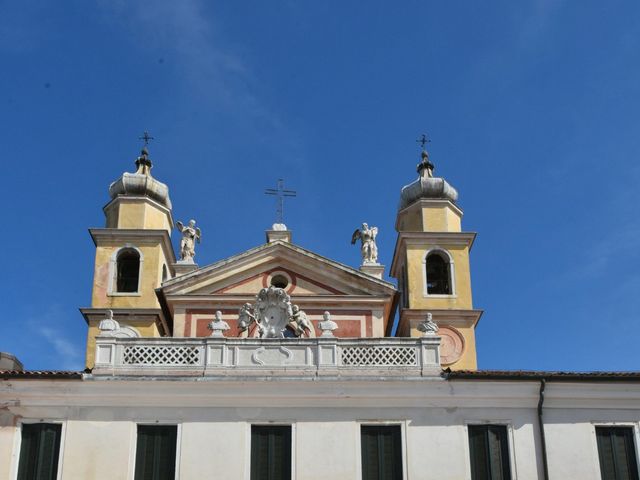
point(278, 363)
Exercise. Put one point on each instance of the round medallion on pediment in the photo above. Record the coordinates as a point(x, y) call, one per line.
point(451, 345)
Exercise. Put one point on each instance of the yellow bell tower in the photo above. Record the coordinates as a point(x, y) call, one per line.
point(134, 256)
point(431, 264)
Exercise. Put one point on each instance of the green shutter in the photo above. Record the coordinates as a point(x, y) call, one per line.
point(39, 451)
point(156, 452)
point(617, 453)
point(381, 451)
point(270, 452)
point(489, 452)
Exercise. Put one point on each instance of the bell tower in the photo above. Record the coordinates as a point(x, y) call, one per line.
point(134, 256)
point(431, 264)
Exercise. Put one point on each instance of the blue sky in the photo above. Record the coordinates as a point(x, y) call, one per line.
point(533, 108)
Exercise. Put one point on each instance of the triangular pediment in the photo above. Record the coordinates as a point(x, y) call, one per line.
point(304, 273)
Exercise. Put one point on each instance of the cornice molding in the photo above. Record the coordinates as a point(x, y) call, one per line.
point(135, 235)
point(442, 239)
point(311, 391)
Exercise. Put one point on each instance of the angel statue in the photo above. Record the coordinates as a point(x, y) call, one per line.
point(368, 248)
point(190, 235)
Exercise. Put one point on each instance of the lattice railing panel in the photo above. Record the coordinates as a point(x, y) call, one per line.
point(379, 356)
point(161, 355)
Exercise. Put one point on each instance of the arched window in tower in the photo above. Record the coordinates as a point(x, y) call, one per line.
point(438, 274)
point(127, 271)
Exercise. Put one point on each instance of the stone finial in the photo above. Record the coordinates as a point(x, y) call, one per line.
point(428, 327)
point(109, 325)
point(279, 231)
point(327, 326)
point(218, 326)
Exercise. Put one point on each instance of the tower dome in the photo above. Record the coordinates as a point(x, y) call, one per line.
point(141, 183)
point(426, 186)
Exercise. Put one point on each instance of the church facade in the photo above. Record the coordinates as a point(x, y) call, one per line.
point(279, 363)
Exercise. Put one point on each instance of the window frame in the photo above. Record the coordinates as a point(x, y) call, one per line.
point(636, 441)
point(112, 290)
point(510, 444)
point(382, 423)
point(17, 443)
point(452, 275)
point(247, 449)
point(134, 443)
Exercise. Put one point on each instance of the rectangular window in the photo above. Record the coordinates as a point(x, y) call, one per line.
point(270, 452)
point(489, 451)
point(39, 451)
point(617, 453)
point(381, 447)
point(156, 452)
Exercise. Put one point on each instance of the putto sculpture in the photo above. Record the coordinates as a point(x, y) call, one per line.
point(274, 315)
point(299, 322)
point(190, 235)
point(368, 247)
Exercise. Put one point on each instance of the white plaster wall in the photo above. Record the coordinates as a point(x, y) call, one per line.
point(213, 450)
point(99, 442)
point(572, 450)
point(98, 450)
point(428, 446)
point(7, 438)
point(326, 450)
point(435, 434)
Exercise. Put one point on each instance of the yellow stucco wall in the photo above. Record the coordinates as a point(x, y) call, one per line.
point(147, 328)
point(430, 216)
point(151, 276)
point(416, 277)
point(437, 216)
point(137, 213)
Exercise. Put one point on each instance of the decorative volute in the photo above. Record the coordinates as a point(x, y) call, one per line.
point(426, 186)
point(141, 183)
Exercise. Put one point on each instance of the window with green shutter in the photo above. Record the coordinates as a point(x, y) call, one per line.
point(156, 452)
point(617, 453)
point(270, 452)
point(489, 451)
point(39, 451)
point(381, 450)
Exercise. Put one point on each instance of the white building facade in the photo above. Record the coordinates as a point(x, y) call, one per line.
point(278, 363)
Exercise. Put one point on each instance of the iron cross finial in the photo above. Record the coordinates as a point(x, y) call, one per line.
point(280, 193)
point(423, 140)
point(146, 137)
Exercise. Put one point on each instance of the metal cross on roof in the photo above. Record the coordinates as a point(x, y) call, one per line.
point(280, 193)
point(423, 140)
point(146, 137)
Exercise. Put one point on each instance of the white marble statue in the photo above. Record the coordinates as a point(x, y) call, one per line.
point(190, 235)
point(368, 248)
point(428, 326)
point(300, 322)
point(245, 317)
point(218, 326)
point(272, 312)
point(327, 326)
point(110, 327)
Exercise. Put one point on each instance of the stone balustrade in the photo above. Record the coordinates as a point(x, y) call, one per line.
point(272, 357)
